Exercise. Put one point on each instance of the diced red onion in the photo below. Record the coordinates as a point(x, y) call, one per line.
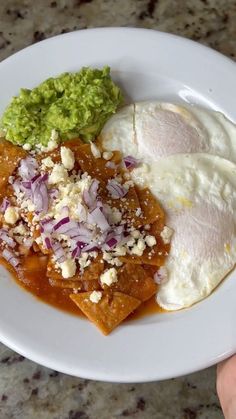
point(18, 187)
point(116, 189)
point(46, 225)
point(97, 217)
point(26, 184)
point(28, 168)
point(69, 228)
point(38, 193)
point(130, 162)
point(90, 195)
point(76, 252)
point(80, 244)
point(83, 230)
point(34, 179)
point(5, 204)
point(61, 259)
point(81, 239)
point(46, 221)
point(58, 252)
point(112, 242)
point(99, 204)
point(87, 198)
point(61, 222)
point(10, 257)
point(40, 198)
point(6, 238)
point(44, 177)
point(81, 211)
point(93, 189)
point(47, 242)
point(90, 247)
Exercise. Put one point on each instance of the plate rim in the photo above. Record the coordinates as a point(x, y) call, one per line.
point(101, 375)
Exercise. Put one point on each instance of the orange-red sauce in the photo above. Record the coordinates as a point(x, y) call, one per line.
point(33, 279)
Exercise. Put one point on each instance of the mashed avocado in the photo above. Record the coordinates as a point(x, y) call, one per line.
point(73, 104)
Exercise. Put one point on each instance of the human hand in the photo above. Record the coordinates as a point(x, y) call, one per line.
point(226, 386)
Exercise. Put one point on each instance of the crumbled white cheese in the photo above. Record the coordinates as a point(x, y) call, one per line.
point(107, 256)
point(166, 234)
point(95, 296)
point(67, 158)
point(28, 205)
point(93, 254)
point(107, 155)
point(150, 240)
point(20, 229)
point(116, 216)
point(141, 244)
point(68, 268)
point(126, 176)
point(95, 151)
point(70, 194)
point(139, 248)
point(116, 262)
point(84, 261)
point(52, 144)
point(27, 146)
point(47, 163)
point(131, 242)
point(120, 250)
point(54, 135)
point(135, 234)
point(128, 184)
point(109, 277)
point(58, 174)
point(11, 215)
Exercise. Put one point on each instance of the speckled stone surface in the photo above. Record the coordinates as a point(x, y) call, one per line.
point(27, 390)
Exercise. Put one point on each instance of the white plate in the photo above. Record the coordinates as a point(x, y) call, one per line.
point(148, 65)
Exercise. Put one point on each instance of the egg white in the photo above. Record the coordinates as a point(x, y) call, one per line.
point(198, 193)
point(152, 130)
point(190, 154)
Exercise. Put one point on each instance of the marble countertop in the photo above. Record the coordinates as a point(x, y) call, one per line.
point(27, 390)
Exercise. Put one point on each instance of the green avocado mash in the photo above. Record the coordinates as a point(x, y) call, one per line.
point(73, 104)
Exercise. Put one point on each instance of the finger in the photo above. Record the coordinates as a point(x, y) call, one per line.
point(226, 386)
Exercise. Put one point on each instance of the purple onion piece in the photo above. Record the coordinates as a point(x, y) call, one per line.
point(130, 162)
point(5, 204)
point(4, 236)
point(115, 189)
point(10, 257)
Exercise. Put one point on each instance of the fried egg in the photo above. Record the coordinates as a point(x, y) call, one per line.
point(152, 130)
point(187, 160)
point(198, 193)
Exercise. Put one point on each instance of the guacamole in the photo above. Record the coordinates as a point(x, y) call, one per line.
point(72, 104)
